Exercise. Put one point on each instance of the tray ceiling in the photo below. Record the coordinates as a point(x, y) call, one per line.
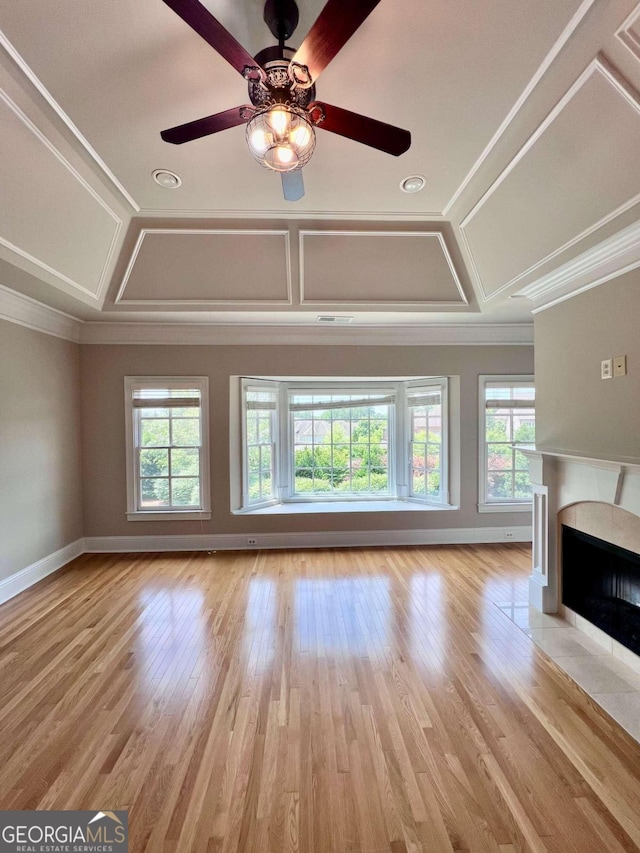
point(524, 122)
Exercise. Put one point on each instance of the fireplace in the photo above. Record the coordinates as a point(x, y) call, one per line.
point(601, 582)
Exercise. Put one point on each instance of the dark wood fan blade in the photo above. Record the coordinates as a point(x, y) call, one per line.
point(206, 126)
point(202, 21)
point(369, 131)
point(292, 185)
point(335, 25)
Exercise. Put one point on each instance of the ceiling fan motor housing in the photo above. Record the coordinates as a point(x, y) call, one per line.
point(278, 86)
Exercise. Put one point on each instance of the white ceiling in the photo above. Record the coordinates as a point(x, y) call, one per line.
point(525, 122)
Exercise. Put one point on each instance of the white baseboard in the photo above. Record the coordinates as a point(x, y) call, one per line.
point(25, 578)
point(311, 539)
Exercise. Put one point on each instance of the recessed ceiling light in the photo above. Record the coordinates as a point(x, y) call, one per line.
point(168, 180)
point(412, 184)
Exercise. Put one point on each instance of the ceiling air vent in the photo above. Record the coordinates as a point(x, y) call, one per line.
point(334, 318)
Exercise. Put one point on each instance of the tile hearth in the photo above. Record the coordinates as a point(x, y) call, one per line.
point(605, 678)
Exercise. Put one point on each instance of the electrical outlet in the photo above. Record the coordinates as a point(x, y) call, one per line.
point(252, 541)
point(620, 365)
point(606, 368)
point(508, 534)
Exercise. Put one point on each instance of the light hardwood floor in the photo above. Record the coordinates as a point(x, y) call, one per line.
point(337, 700)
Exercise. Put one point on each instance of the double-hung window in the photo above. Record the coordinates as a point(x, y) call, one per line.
point(507, 426)
point(260, 422)
point(167, 447)
point(322, 441)
point(426, 414)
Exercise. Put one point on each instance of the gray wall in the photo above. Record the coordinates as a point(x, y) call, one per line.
point(576, 410)
point(103, 369)
point(40, 459)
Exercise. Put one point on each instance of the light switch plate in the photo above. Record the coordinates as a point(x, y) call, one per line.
point(606, 367)
point(619, 365)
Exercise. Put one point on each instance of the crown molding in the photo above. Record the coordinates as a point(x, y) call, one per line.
point(28, 312)
point(611, 258)
point(299, 335)
point(315, 215)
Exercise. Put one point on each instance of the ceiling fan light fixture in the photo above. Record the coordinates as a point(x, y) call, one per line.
point(281, 137)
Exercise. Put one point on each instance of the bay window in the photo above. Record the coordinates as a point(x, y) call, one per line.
point(324, 441)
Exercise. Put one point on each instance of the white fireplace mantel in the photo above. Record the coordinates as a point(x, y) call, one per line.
point(559, 480)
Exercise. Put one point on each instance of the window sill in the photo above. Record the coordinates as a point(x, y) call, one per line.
point(172, 515)
point(305, 507)
point(524, 506)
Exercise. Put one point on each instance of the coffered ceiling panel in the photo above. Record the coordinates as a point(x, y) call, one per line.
point(378, 267)
point(575, 174)
point(50, 217)
point(126, 69)
point(208, 267)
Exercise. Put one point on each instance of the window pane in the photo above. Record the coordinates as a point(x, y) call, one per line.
point(523, 490)
point(155, 413)
point(433, 484)
point(252, 428)
point(343, 447)
point(154, 492)
point(154, 462)
point(186, 431)
point(498, 428)
point(254, 486)
point(154, 431)
point(265, 460)
point(185, 462)
point(253, 458)
point(264, 430)
point(418, 482)
point(185, 491)
point(433, 457)
point(499, 457)
point(187, 412)
point(500, 486)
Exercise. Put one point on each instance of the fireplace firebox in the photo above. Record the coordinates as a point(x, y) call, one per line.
point(601, 582)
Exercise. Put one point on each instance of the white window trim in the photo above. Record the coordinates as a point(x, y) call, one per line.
point(132, 383)
point(485, 505)
point(399, 462)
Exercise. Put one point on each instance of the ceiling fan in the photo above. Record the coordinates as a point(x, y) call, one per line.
point(283, 114)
